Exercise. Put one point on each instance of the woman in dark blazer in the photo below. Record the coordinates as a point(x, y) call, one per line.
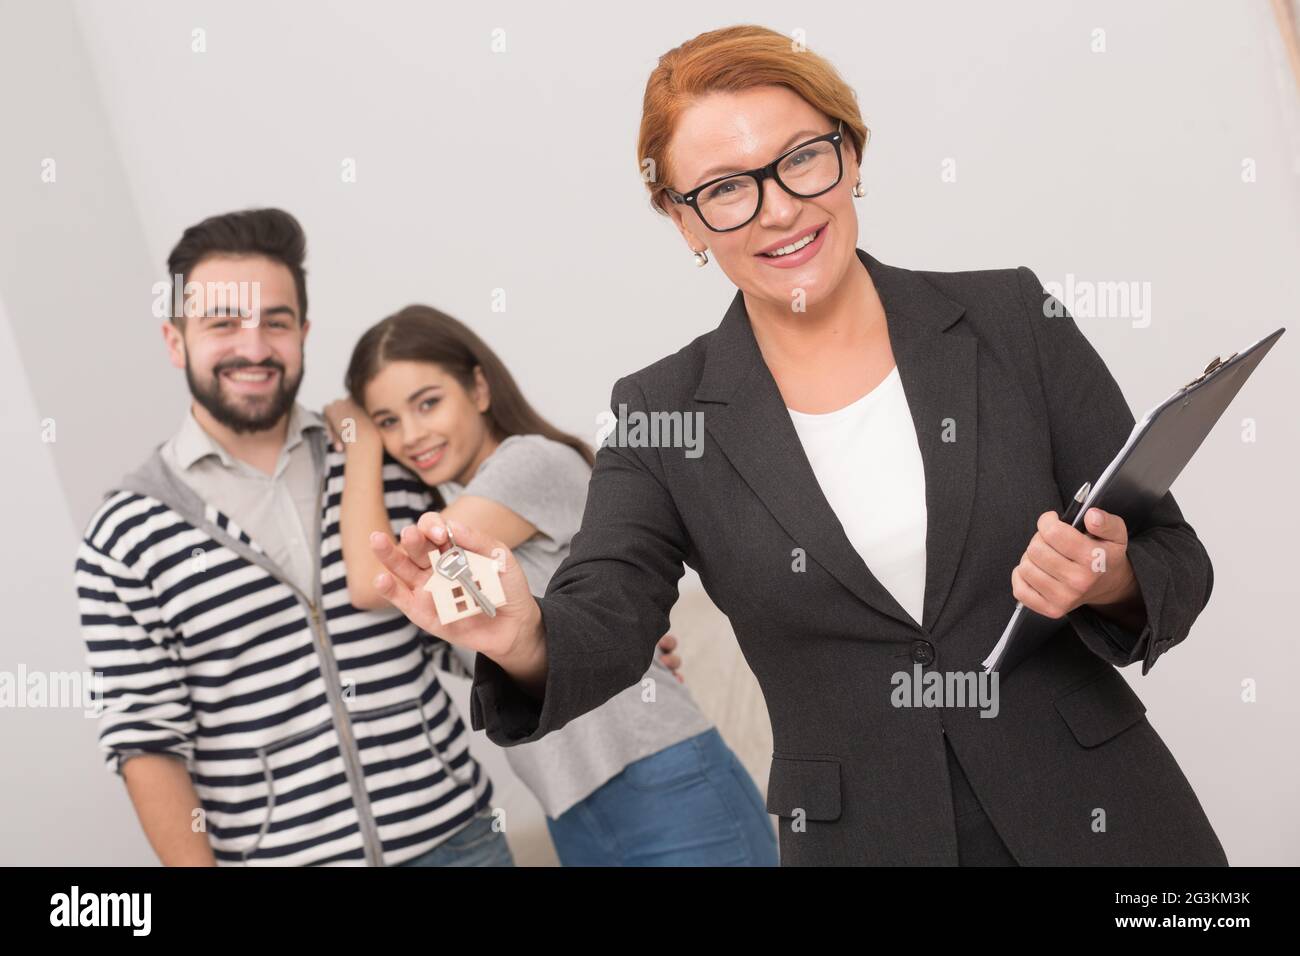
point(757, 147)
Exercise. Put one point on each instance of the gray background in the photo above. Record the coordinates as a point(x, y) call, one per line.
point(479, 171)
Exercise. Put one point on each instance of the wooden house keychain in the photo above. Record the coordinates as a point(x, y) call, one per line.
point(464, 583)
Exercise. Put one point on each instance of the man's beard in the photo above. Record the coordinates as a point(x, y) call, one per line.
point(230, 414)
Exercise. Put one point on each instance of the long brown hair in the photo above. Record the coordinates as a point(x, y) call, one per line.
point(420, 333)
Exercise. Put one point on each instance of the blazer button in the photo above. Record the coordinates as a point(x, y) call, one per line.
point(923, 652)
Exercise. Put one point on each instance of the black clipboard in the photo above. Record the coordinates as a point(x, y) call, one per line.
point(1157, 450)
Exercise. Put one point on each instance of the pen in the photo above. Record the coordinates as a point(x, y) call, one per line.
point(1072, 510)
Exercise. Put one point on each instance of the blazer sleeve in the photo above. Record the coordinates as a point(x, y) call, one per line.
point(1173, 570)
point(607, 604)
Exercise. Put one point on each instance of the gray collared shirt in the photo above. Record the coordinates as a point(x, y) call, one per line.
point(278, 511)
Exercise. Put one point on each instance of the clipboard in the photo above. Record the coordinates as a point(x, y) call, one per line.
point(1157, 450)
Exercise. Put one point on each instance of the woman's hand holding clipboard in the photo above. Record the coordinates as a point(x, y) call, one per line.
point(1157, 450)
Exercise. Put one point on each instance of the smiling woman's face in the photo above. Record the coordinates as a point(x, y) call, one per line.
point(730, 132)
point(428, 421)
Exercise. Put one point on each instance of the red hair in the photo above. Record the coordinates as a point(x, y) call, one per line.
point(728, 61)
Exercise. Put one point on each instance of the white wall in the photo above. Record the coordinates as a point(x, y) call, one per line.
point(479, 170)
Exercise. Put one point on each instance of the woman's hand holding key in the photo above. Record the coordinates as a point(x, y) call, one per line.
point(513, 638)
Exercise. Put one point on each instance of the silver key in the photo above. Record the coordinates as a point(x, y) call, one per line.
point(454, 566)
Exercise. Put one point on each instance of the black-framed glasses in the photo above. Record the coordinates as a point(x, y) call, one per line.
point(804, 171)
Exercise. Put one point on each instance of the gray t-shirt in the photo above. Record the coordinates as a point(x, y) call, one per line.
point(545, 483)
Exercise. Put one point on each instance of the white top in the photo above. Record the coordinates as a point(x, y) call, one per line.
point(868, 464)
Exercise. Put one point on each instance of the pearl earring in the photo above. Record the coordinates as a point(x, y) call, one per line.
point(702, 258)
point(859, 190)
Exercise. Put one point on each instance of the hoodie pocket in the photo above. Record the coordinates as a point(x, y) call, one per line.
point(399, 752)
point(279, 760)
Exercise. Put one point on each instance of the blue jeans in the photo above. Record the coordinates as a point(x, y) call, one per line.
point(691, 804)
point(475, 844)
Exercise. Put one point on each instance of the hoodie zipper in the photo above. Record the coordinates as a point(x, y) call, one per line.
point(347, 741)
point(352, 768)
point(372, 845)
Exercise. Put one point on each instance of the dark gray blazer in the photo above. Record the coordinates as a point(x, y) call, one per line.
point(1069, 771)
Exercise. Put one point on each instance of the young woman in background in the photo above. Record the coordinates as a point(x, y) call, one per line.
point(645, 778)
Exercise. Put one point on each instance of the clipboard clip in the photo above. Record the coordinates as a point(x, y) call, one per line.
point(1215, 364)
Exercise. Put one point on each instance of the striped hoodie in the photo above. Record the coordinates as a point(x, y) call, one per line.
point(315, 732)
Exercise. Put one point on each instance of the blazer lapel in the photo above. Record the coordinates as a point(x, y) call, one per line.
point(750, 424)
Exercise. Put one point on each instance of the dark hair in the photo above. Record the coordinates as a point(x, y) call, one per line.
point(420, 333)
point(263, 232)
